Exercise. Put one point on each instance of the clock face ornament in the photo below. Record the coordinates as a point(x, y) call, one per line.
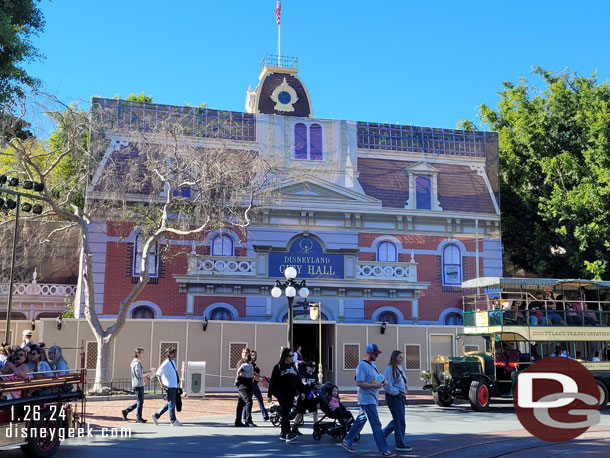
point(284, 97)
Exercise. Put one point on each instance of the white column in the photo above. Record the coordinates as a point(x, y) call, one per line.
point(415, 310)
point(190, 305)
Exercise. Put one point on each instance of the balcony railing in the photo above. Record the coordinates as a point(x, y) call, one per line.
point(405, 271)
point(40, 289)
point(221, 265)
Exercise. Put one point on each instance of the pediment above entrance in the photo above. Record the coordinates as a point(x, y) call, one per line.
point(312, 189)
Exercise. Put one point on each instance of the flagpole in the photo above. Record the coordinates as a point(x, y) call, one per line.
point(279, 28)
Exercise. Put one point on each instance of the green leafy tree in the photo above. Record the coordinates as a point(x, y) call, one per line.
point(554, 173)
point(19, 21)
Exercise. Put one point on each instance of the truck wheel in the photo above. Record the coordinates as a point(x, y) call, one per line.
point(442, 398)
point(603, 394)
point(38, 447)
point(479, 395)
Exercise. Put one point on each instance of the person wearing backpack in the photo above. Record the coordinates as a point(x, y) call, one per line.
point(367, 380)
point(396, 399)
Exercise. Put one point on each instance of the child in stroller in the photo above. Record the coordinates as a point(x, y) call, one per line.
point(332, 408)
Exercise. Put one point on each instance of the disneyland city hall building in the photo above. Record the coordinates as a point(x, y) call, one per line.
point(383, 221)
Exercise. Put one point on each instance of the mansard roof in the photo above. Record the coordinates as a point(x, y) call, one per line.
point(461, 188)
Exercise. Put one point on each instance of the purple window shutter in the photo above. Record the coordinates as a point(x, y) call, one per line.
point(423, 193)
point(315, 142)
point(300, 141)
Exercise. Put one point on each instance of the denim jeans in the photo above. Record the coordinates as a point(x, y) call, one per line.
point(397, 425)
point(534, 320)
point(368, 412)
point(139, 402)
point(256, 392)
point(170, 404)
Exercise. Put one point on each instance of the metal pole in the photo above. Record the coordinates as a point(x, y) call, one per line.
point(320, 344)
point(290, 323)
point(12, 274)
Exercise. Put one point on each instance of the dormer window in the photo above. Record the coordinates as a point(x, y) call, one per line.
point(423, 187)
point(423, 194)
point(308, 142)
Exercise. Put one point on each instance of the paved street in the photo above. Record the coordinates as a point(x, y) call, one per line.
point(433, 431)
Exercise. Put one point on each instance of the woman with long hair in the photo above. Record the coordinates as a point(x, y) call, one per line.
point(396, 399)
point(57, 361)
point(285, 382)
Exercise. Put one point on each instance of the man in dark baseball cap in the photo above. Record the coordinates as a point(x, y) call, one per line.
point(367, 379)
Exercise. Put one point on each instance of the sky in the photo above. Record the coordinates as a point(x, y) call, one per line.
point(425, 63)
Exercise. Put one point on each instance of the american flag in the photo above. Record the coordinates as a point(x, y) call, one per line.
point(278, 12)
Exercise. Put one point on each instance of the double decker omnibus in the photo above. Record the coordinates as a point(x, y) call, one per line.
point(518, 321)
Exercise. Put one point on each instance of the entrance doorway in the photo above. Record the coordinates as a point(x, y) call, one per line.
point(306, 334)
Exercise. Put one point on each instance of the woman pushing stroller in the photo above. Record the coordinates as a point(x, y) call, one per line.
point(284, 384)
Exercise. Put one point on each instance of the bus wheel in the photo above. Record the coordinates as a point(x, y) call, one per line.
point(603, 394)
point(442, 398)
point(42, 447)
point(479, 395)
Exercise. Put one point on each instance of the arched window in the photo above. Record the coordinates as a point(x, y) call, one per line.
point(454, 319)
point(388, 317)
point(143, 312)
point(315, 142)
point(153, 258)
point(452, 265)
point(423, 193)
point(221, 313)
point(386, 252)
point(300, 141)
point(308, 142)
point(222, 245)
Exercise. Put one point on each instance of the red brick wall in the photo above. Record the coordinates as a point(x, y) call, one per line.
point(371, 305)
point(435, 299)
point(165, 294)
point(201, 302)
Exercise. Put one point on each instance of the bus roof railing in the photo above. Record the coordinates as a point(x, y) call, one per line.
point(532, 283)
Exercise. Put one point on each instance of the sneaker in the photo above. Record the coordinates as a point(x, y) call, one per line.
point(291, 436)
point(239, 424)
point(251, 424)
point(282, 437)
point(295, 430)
point(141, 420)
point(390, 453)
point(124, 412)
point(177, 423)
point(406, 448)
point(348, 448)
point(155, 418)
point(266, 419)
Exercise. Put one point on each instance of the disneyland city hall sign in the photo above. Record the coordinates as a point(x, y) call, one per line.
point(308, 258)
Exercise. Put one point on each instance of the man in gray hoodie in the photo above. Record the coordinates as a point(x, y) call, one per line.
point(137, 384)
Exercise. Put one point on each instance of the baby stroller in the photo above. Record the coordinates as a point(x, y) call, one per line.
point(333, 428)
point(275, 414)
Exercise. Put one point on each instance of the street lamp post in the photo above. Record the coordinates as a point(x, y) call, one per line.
point(10, 205)
point(290, 287)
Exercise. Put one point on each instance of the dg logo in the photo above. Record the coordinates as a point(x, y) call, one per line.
point(556, 399)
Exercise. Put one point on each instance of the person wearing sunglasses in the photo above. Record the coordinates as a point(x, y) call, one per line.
point(15, 369)
point(285, 382)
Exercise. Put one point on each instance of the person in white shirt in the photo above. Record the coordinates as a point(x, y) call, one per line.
point(168, 378)
point(298, 357)
point(27, 338)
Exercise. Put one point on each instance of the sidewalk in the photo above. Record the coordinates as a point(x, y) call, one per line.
point(108, 413)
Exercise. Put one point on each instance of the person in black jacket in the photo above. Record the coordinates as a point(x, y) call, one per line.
point(285, 382)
